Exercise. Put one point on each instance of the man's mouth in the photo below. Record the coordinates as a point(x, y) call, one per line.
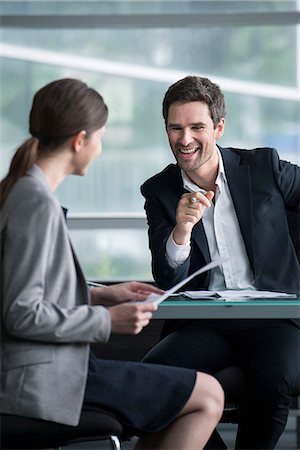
point(188, 151)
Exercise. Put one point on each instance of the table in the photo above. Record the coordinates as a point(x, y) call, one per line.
point(181, 308)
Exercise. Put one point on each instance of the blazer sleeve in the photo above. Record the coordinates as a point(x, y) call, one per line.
point(159, 229)
point(43, 297)
point(287, 176)
point(162, 194)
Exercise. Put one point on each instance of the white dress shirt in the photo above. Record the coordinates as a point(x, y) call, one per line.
point(223, 236)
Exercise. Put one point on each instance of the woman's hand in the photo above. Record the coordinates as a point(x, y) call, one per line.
point(122, 292)
point(131, 318)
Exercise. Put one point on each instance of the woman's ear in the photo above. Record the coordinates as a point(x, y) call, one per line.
point(78, 140)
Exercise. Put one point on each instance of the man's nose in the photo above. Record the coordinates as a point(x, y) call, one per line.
point(186, 137)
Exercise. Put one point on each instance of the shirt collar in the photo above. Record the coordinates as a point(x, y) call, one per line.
point(190, 186)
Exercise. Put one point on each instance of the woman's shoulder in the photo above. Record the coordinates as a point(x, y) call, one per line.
point(30, 190)
point(29, 196)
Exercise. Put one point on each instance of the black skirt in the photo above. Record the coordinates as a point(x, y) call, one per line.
point(144, 397)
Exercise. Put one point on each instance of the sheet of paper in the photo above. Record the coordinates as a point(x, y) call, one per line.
point(156, 298)
point(203, 295)
point(236, 295)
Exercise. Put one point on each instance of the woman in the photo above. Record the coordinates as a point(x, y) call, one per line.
point(50, 317)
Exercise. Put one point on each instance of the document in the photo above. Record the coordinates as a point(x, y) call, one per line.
point(156, 298)
point(235, 295)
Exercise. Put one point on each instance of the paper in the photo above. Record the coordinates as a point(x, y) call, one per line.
point(156, 298)
point(235, 295)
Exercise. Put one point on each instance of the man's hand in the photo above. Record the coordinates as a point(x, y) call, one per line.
point(131, 318)
point(189, 211)
point(122, 292)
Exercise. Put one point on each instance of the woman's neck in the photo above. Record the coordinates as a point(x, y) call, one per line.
point(55, 169)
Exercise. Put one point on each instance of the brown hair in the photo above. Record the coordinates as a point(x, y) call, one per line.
point(60, 110)
point(195, 89)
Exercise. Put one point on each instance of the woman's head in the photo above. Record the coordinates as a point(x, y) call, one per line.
point(60, 110)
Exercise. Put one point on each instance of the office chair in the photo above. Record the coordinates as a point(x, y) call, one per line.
point(25, 433)
point(233, 380)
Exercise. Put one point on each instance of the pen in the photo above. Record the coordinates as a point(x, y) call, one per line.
point(92, 283)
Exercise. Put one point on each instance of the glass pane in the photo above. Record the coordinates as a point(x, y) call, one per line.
point(256, 66)
point(259, 87)
point(113, 255)
point(163, 55)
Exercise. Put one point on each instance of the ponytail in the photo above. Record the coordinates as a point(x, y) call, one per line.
point(22, 161)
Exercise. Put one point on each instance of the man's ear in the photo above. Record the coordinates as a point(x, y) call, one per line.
point(220, 129)
point(78, 140)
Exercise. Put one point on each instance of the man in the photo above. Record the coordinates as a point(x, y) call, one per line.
point(231, 203)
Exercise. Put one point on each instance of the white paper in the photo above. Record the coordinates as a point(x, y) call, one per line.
point(235, 295)
point(156, 298)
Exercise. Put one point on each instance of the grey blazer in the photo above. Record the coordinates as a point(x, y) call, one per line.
point(47, 321)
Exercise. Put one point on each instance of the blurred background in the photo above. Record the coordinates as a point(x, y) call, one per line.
point(131, 51)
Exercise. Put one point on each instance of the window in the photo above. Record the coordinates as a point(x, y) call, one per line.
point(131, 51)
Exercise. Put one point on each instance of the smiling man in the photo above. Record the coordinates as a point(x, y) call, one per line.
point(230, 203)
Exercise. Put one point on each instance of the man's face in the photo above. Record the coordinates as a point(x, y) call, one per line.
point(191, 134)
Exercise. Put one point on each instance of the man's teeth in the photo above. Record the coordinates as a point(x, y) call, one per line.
point(188, 151)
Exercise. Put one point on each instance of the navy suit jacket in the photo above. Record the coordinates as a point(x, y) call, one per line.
point(265, 191)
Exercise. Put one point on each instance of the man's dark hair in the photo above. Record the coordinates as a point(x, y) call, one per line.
point(194, 89)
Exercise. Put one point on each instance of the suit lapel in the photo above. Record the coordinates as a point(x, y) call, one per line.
point(79, 272)
point(199, 237)
point(239, 181)
point(198, 234)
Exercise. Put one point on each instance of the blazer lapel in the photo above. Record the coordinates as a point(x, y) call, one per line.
point(80, 275)
point(239, 181)
point(199, 237)
point(198, 234)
